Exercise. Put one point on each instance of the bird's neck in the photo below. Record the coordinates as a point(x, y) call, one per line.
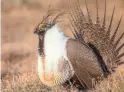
point(54, 42)
point(41, 46)
point(54, 47)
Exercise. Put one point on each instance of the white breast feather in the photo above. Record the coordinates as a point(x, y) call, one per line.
point(54, 48)
point(55, 51)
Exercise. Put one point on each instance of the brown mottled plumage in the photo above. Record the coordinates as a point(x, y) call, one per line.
point(92, 54)
point(97, 34)
point(84, 61)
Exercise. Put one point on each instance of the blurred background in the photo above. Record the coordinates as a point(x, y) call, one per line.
point(20, 17)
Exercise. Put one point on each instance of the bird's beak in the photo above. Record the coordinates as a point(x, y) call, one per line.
point(35, 31)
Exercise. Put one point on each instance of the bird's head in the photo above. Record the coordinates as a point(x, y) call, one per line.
point(47, 23)
point(42, 28)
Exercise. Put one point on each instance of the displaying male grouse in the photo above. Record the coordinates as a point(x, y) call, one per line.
point(91, 54)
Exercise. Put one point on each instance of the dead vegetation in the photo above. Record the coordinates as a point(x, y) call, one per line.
point(29, 82)
point(19, 45)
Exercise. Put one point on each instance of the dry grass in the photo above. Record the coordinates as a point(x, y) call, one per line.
point(29, 82)
point(26, 82)
point(19, 44)
point(114, 83)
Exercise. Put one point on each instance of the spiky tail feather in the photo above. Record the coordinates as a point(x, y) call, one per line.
point(97, 34)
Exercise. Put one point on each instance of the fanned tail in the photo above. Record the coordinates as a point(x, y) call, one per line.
point(89, 16)
point(104, 20)
point(97, 18)
point(97, 34)
point(110, 25)
point(116, 30)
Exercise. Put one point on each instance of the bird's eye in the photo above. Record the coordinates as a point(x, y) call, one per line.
point(48, 25)
point(41, 30)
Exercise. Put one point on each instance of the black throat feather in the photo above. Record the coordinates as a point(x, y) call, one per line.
point(41, 46)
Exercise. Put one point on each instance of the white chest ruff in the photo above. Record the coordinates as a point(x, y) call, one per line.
point(54, 48)
point(56, 60)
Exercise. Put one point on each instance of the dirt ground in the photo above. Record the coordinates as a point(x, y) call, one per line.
point(19, 19)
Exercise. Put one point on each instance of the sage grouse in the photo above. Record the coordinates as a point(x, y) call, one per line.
point(92, 53)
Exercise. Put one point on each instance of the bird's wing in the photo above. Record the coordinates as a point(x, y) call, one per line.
point(84, 62)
